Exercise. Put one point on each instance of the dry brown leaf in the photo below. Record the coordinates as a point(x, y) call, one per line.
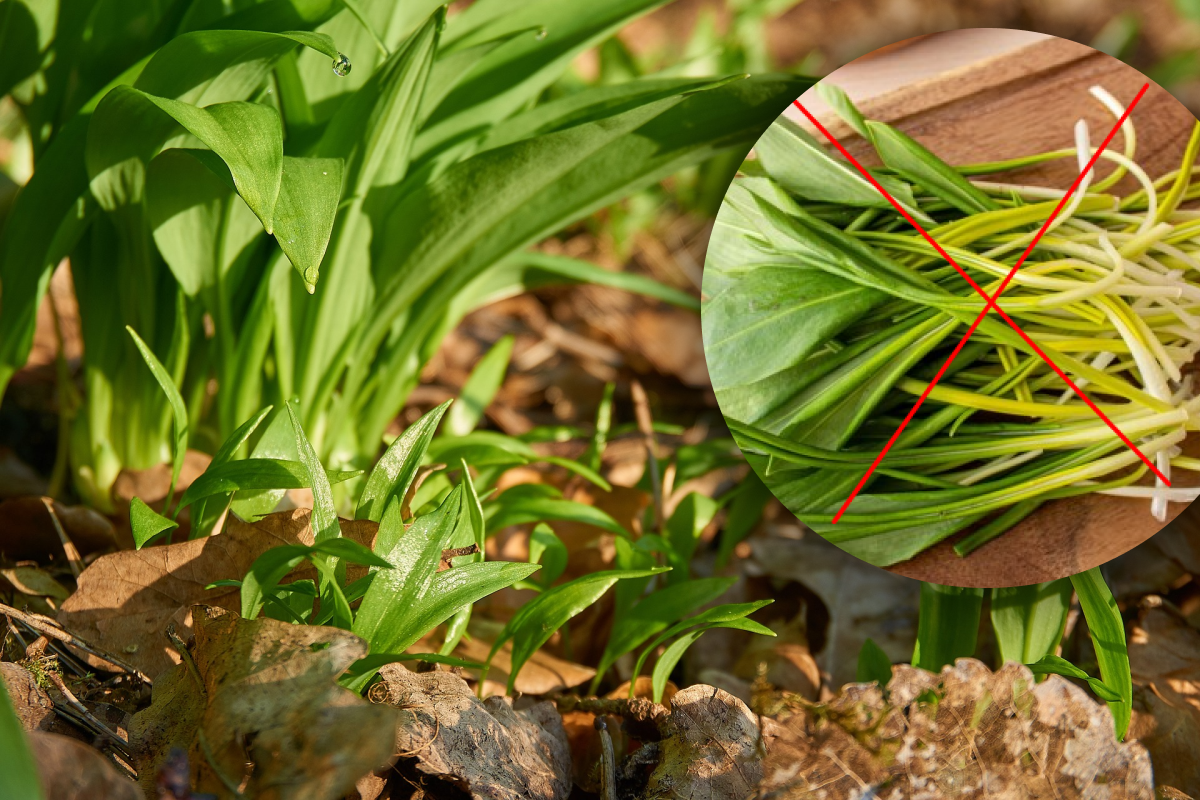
point(713, 748)
point(542, 674)
point(126, 600)
point(33, 706)
point(270, 712)
point(35, 582)
point(70, 770)
point(1164, 656)
point(449, 740)
point(965, 733)
point(18, 478)
point(27, 532)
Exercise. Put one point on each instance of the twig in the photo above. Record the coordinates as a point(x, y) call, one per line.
point(608, 762)
point(454, 552)
point(81, 709)
point(74, 560)
point(645, 423)
point(645, 719)
point(186, 657)
point(51, 629)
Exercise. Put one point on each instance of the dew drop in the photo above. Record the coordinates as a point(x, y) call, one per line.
point(541, 34)
point(341, 65)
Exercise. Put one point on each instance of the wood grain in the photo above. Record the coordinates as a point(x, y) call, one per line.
point(1027, 101)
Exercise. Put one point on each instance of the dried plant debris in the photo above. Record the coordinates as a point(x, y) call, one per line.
point(70, 770)
point(1164, 656)
point(450, 742)
point(126, 600)
point(256, 705)
point(966, 733)
point(712, 748)
point(34, 708)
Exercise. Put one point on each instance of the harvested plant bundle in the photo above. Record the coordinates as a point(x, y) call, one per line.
point(826, 315)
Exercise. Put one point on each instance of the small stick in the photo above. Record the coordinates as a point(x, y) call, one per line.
point(644, 718)
point(608, 762)
point(645, 423)
point(454, 552)
point(186, 657)
point(79, 708)
point(73, 557)
point(51, 629)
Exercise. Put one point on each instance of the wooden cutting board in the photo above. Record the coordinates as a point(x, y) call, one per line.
point(1020, 101)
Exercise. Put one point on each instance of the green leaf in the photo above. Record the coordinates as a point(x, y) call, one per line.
point(841, 103)
point(387, 616)
point(309, 192)
point(670, 657)
point(205, 512)
point(253, 475)
point(655, 613)
point(480, 388)
point(537, 620)
point(520, 510)
point(324, 514)
point(19, 778)
point(683, 529)
point(1029, 620)
point(546, 549)
point(947, 625)
point(914, 162)
point(1108, 637)
point(146, 523)
point(352, 551)
point(800, 164)
point(1054, 665)
point(873, 664)
point(178, 409)
point(395, 472)
point(473, 532)
point(266, 572)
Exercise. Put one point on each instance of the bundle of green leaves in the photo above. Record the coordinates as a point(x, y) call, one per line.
point(826, 316)
point(298, 199)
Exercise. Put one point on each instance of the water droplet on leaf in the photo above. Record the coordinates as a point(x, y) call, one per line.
point(541, 34)
point(341, 65)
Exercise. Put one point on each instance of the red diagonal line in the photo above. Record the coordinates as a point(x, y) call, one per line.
point(990, 301)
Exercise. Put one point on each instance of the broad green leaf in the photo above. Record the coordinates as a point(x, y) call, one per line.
point(278, 441)
point(914, 162)
point(536, 621)
point(254, 474)
point(947, 625)
point(455, 220)
point(324, 515)
point(546, 549)
point(178, 409)
point(206, 510)
point(351, 551)
point(474, 531)
point(522, 510)
point(19, 779)
point(795, 159)
point(480, 388)
point(1107, 630)
point(394, 473)
point(840, 102)
point(1055, 665)
point(309, 192)
point(449, 591)
point(387, 616)
point(670, 657)
point(873, 664)
point(1029, 620)
point(655, 613)
point(146, 523)
point(203, 67)
point(266, 572)
point(683, 530)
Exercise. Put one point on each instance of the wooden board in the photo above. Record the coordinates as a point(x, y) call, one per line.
point(1026, 101)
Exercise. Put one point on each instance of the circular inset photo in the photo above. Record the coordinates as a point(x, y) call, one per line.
point(952, 308)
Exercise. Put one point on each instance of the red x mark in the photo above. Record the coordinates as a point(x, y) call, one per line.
point(990, 301)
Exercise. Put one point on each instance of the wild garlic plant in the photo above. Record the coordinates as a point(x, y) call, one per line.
point(298, 200)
